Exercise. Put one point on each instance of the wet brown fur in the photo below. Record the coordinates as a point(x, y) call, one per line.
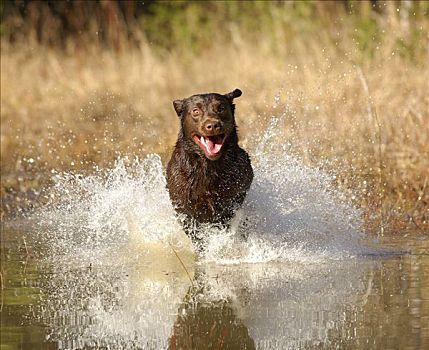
point(205, 190)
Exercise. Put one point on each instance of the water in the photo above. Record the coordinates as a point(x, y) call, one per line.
point(105, 264)
point(139, 296)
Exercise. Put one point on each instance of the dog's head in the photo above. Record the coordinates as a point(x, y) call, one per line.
point(208, 120)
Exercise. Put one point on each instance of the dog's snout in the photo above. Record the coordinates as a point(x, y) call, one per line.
point(213, 126)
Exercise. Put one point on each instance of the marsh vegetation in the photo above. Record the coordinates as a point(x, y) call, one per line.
point(348, 81)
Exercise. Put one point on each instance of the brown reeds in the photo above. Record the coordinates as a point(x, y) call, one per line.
point(70, 109)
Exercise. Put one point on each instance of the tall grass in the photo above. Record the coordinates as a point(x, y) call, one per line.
point(68, 109)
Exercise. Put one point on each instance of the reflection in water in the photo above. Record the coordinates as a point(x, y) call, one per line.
point(208, 324)
point(148, 301)
point(140, 297)
point(126, 299)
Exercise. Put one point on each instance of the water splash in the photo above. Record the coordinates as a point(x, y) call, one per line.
point(112, 240)
point(290, 213)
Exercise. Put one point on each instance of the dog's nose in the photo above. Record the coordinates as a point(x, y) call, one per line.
point(213, 126)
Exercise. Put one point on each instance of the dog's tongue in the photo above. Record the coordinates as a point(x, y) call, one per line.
point(212, 144)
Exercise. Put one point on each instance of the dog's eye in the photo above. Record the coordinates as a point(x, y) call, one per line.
point(221, 109)
point(196, 112)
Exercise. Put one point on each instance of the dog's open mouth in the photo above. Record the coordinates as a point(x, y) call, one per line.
point(211, 145)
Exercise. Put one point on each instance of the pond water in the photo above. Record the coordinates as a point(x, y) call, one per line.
point(105, 265)
point(141, 297)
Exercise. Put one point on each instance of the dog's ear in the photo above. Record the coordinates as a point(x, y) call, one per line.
point(233, 94)
point(178, 107)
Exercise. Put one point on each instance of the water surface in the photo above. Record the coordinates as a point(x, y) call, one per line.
point(142, 298)
point(106, 265)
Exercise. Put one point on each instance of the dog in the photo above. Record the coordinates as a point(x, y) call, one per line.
point(208, 174)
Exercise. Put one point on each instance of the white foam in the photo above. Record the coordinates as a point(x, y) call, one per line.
point(118, 248)
point(290, 213)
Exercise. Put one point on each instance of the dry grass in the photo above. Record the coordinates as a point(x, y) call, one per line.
point(67, 111)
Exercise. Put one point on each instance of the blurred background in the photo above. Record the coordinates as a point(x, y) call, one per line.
point(86, 82)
